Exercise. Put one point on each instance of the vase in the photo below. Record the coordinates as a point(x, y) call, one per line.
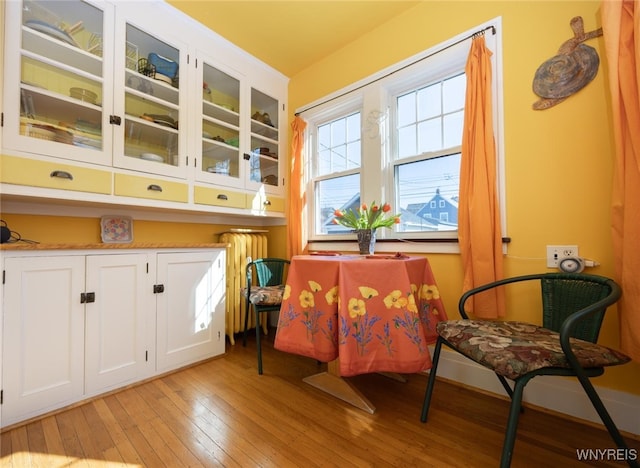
point(366, 241)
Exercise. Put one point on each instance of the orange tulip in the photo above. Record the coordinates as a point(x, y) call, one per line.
point(386, 208)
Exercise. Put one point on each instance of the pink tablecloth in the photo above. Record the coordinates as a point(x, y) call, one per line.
point(375, 314)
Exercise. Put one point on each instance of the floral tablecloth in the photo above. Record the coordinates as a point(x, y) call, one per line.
point(375, 313)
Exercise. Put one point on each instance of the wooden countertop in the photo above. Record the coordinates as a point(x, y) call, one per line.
point(101, 246)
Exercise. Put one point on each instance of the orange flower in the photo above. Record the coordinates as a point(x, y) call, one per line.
point(338, 214)
point(386, 208)
point(375, 208)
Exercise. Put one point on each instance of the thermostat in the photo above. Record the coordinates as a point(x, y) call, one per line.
point(571, 264)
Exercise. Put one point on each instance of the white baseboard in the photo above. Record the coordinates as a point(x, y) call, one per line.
point(562, 395)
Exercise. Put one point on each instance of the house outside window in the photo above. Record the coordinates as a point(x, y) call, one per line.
point(396, 139)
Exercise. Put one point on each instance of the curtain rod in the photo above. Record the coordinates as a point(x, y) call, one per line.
point(472, 35)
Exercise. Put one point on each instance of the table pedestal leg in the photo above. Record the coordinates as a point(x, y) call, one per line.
point(394, 376)
point(333, 384)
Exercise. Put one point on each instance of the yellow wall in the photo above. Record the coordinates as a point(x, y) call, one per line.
point(558, 161)
point(56, 229)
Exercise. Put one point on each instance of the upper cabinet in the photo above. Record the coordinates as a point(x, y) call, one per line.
point(238, 133)
point(58, 93)
point(141, 92)
point(220, 125)
point(264, 167)
point(150, 96)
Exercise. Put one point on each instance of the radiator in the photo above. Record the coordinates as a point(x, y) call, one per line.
point(241, 246)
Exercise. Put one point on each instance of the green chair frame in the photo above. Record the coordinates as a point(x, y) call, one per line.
point(573, 306)
point(269, 271)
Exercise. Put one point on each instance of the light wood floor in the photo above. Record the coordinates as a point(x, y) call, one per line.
point(221, 413)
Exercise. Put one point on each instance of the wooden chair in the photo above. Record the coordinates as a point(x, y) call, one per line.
point(573, 307)
point(266, 295)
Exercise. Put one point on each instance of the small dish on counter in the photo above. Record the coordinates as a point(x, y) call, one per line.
point(116, 229)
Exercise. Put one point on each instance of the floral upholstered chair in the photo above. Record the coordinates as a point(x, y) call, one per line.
point(573, 307)
point(265, 294)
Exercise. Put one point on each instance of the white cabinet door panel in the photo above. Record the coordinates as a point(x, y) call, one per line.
point(116, 323)
point(186, 310)
point(43, 351)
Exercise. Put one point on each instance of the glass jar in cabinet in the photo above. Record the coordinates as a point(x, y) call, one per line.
point(149, 100)
point(58, 100)
point(219, 131)
point(263, 160)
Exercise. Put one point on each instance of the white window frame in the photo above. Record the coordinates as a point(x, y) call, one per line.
point(373, 97)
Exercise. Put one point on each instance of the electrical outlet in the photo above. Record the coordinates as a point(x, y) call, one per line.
point(556, 252)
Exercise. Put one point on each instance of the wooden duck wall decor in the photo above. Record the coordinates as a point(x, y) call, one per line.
point(574, 66)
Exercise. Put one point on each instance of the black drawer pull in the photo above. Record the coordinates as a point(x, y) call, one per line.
point(246, 156)
point(154, 188)
point(266, 202)
point(222, 196)
point(61, 175)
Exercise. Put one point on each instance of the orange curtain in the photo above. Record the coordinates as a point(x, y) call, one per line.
point(479, 230)
point(297, 200)
point(621, 30)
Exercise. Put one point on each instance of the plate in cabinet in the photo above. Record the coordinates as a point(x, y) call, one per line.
point(52, 31)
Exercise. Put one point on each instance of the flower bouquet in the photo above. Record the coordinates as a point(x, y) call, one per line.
point(364, 221)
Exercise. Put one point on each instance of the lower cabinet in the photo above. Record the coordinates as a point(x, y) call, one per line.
point(79, 323)
point(191, 309)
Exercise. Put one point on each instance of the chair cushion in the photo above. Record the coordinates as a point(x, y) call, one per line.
point(265, 295)
point(513, 349)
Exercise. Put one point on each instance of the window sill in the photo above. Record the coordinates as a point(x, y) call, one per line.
point(446, 246)
point(388, 246)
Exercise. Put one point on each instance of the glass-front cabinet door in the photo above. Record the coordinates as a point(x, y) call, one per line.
point(148, 100)
point(57, 97)
point(264, 166)
point(218, 134)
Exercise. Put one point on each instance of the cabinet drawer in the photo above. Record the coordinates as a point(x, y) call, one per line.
point(218, 197)
point(147, 187)
point(23, 171)
point(261, 202)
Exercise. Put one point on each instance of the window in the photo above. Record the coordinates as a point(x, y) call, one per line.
point(395, 138)
point(337, 162)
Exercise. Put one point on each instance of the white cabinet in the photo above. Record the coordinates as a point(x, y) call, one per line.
point(118, 320)
point(144, 97)
point(58, 89)
point(190, 310)
point(266, 171)
point(95, 84)
point(80, 323)
point(150, 71)
point(239, 130)
point(218, 130)
point(43, 335)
